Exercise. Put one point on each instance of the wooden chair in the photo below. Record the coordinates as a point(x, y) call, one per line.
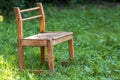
point(42, 39)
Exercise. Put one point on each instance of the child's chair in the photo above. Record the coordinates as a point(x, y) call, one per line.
point(42, 39)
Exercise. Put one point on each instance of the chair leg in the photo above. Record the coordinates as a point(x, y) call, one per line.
point(43, 54)
point(20, 57)
point(71, 49)
point(50, 56)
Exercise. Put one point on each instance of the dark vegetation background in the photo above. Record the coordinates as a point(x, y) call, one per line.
point(6, 6)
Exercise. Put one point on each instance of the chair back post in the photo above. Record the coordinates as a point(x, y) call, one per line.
point(42, 19)
point(19, 23)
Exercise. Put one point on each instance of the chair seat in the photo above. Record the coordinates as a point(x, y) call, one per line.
point(48, 35)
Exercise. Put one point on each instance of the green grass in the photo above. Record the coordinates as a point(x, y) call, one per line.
point(96, 40)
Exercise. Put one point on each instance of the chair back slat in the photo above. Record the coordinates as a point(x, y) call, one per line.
point(38, 16)
point(30, 9)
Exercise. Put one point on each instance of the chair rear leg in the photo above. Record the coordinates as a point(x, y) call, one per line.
point(50, 56)
point(20, 57)
point(43, 54)
point(71, 49)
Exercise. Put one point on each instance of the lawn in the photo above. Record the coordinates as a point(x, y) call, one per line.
point(96, 31)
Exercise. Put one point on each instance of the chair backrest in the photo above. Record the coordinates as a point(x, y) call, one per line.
point(19, 19)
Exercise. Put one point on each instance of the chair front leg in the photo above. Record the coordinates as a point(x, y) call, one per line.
point(71, 49)
point(50, 56)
